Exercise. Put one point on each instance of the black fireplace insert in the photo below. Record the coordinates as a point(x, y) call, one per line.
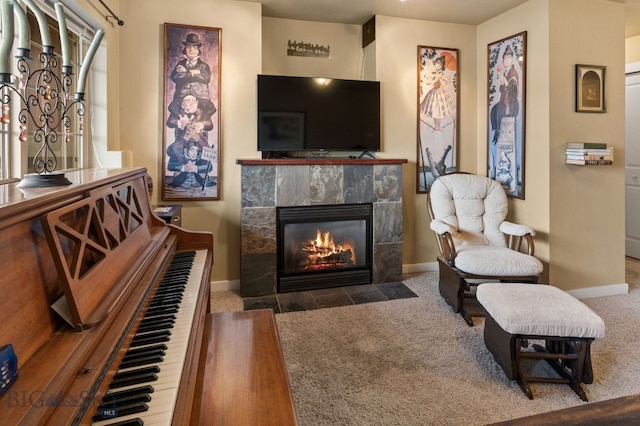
point(324, 246)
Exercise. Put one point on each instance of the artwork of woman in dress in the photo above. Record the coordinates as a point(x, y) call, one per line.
point(506, 113)
point(192, 123)
point(437, 114)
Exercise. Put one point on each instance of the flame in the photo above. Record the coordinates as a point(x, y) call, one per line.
point(323, 246)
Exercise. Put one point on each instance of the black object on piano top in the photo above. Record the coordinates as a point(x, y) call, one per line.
point(8, 367)
point(142, 361)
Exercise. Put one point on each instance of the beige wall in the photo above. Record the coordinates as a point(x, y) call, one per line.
point(632, 49)
point(587, 203)
point(252, 45)
point(345, 42)
point(141, 114)
point(568, 205)
point(397, 42)
point(533, 18)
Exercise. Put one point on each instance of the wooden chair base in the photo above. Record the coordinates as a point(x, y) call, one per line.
point(457, 286)
point(570, 357)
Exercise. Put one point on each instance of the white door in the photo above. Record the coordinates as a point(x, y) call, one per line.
point(632, 161)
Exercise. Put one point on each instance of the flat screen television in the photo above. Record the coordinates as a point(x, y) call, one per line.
point(314, 114)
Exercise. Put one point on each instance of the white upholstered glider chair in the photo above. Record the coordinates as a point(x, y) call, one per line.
point(476, 244)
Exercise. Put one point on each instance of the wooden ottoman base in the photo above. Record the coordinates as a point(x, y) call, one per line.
point(520, 313)
point(570, 357)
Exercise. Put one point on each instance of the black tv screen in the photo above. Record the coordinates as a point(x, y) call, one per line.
point(315, 114)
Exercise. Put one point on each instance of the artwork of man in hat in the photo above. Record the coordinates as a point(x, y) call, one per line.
point(191, 110)
point(192, 76)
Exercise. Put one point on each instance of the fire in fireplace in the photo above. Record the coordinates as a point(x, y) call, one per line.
point(324, 246)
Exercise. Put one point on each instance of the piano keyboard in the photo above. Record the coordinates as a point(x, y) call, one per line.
point(145, 387)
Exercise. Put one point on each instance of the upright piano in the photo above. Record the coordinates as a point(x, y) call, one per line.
point(103, 303)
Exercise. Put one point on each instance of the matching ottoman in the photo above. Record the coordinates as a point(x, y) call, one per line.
point(518, 313)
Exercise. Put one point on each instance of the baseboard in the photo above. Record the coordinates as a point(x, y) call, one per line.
point(228, 285)
point(417, 268)
point(600, 291)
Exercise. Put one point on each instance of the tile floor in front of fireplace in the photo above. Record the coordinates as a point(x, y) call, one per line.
point(329, 298)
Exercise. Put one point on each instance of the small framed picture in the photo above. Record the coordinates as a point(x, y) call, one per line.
point(590, 85)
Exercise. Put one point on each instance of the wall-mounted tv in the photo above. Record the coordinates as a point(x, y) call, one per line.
point(317, 114)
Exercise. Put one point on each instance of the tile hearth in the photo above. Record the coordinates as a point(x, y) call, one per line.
point(329, 298)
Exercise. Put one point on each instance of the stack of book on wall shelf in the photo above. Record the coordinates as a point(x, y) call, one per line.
point(589, 154)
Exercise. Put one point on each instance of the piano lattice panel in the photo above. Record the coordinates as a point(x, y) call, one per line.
point(83, 237)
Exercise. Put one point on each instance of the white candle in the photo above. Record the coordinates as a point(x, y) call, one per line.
point(86, 63)
point(42, 22)
point(64, 37)
point(7, 36)
point(25, 29)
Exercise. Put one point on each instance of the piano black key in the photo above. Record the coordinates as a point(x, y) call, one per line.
point(173, 276)
point(171, 292)
point(140, 390)
point(175, 286)
point(158, 325)
point(130, 422)
point(167, 295)
point(145, 370)
point(111, 413)
point(143, 336)
point(142, 356)
point(171, 289)
point(149, 338)
point(137, 377)
point(160, 316)
point(120, 402)
point(160, 313)
point(140, 361)
point(159, 297)
point(163, 310)
point(172, 299)
point(146, 350)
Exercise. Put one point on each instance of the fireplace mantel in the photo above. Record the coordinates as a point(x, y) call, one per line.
point(268, 184)
point(326, 161)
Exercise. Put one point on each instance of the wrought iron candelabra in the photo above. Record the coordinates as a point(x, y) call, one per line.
point(49, 107)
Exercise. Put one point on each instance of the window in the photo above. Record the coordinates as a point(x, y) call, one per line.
point(21, 143)
point(67, 149)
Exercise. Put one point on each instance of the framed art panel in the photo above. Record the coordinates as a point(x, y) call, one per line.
point(191, 137)
point(506, 113)
point(437, 114)
point(590, 87)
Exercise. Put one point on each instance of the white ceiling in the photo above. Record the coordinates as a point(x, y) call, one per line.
point(357, 12)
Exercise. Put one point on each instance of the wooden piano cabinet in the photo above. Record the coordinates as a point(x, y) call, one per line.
point(97, 243)
point(243, 378)
point(618, 411)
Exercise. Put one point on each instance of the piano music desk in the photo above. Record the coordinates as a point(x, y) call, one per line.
point(242, 377)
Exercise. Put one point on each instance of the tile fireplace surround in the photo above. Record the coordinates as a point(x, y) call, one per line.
point(268, 184)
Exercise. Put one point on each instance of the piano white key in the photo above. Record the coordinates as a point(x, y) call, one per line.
point(163, 398)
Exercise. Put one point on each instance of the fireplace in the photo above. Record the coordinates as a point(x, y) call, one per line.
point(324, 246)
point(269, 186)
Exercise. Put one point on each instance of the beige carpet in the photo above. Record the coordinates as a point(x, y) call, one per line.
point(414, 362)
